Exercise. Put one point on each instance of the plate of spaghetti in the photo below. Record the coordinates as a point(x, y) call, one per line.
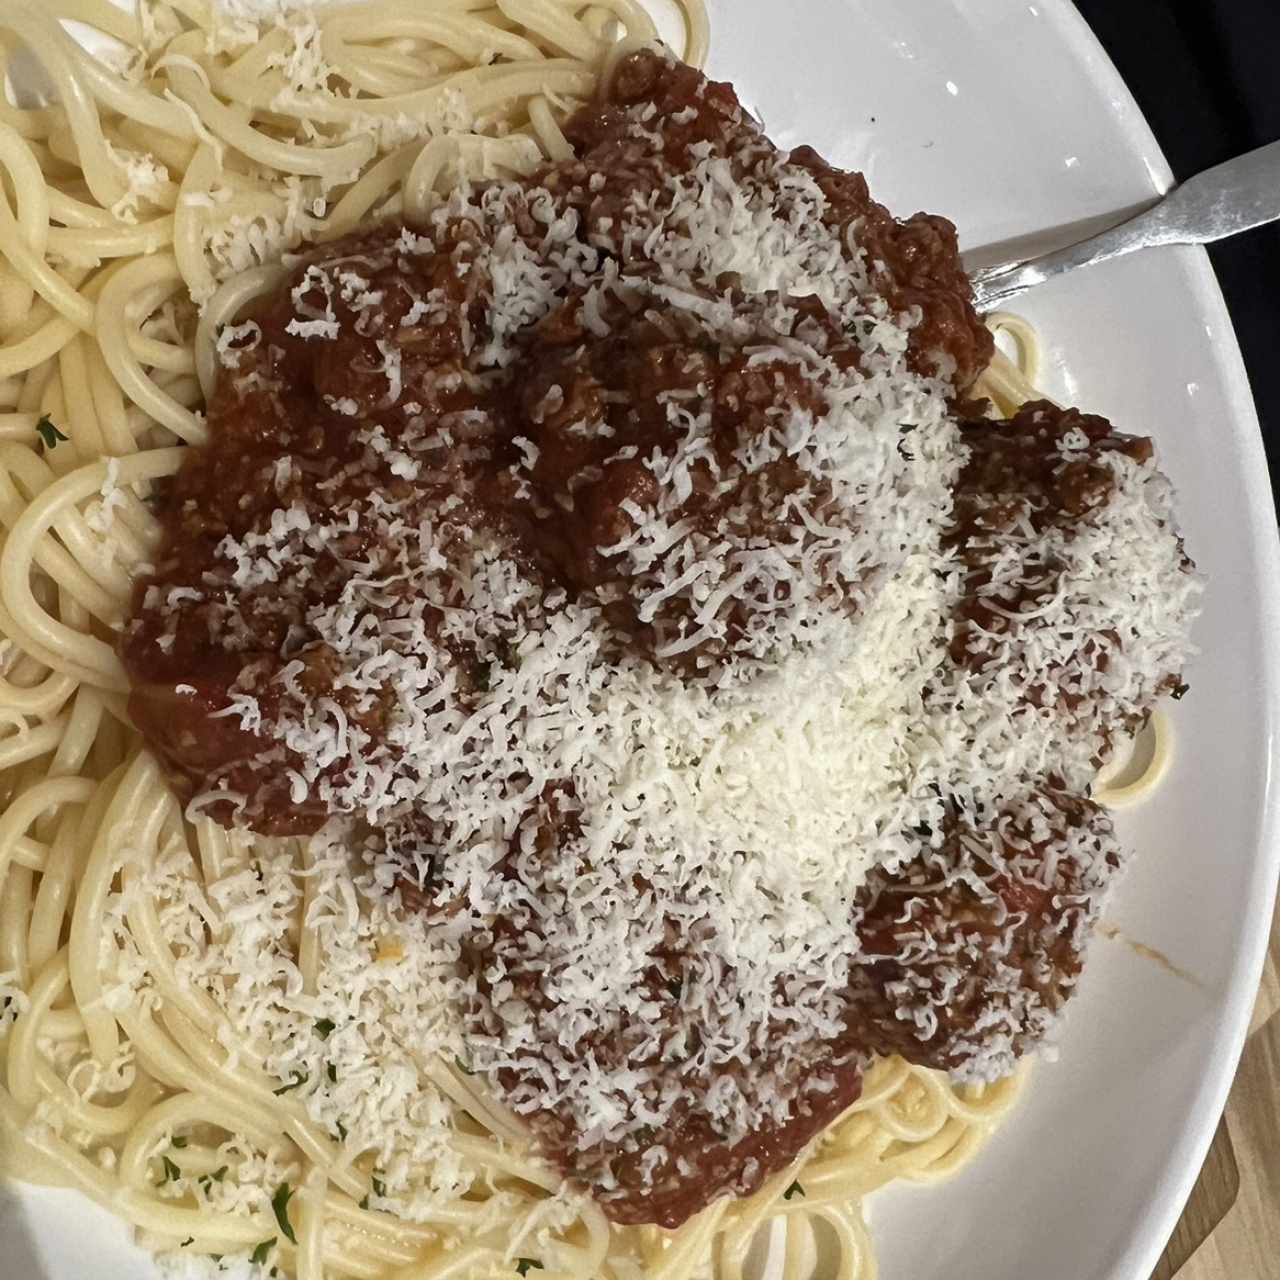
point(568, 706)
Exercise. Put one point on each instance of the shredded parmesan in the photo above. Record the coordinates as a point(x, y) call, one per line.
point(600, 804)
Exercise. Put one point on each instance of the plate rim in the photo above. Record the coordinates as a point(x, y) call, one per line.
point(1167, 1199)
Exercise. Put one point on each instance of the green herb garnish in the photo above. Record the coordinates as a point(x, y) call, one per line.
point(324, 1027)
point(280, 1204)
point(332, 1072)
point(462, 1066)
point(342, 1131)
point(525, 1265)
point(187, 1241)
point(259, 1255)
point(299, 1077)
point(379, 1187)
point(48, 432)
point(171, 1171)
point(795, 1189)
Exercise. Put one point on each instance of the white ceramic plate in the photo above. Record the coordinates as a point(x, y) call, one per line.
point(1006, 116)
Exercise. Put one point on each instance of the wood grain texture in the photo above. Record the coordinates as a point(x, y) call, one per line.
point(1246, 1243)
point(1269, 992)
point(1231, 1227)
point(1212, 1199)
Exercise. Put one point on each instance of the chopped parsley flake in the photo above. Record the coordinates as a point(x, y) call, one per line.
point(299, 1077)
point(280, 1204)
point(48, 432)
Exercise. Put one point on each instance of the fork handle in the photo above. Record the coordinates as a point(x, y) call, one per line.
point(1223, 201)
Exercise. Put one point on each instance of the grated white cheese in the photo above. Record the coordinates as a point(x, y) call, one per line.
point(602, 806)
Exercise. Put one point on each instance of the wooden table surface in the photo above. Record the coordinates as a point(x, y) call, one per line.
point(1231, 1227)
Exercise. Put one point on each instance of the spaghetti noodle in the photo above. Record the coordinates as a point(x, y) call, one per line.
point(168, 1047)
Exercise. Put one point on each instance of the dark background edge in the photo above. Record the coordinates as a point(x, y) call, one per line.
point(1206, 75)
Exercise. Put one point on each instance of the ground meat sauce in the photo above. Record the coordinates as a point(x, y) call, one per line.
point(379, 426)
point(914, 263)
point(282, 434)
point(1041, 477)
point(1000, 949)
point(1014, 475)
point(707, 1162)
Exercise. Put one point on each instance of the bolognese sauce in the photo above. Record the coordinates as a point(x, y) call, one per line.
point(666, 417)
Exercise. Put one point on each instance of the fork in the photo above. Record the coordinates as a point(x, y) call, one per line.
point(1223, 201)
